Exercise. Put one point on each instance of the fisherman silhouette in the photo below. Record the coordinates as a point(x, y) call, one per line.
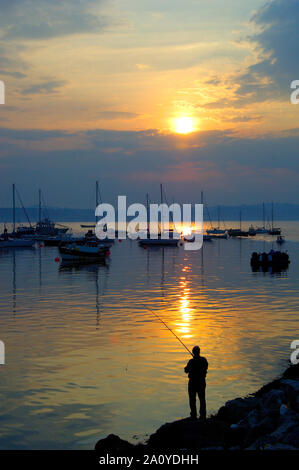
point(197, 370)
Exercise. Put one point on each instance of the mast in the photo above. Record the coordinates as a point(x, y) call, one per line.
point(272, 216)
point(161, 193)
point(264, 215)
point(39, 205)
point(218, 217)
point(97, 196)
point(147, 211)
point(13, 208)
point(240, 220)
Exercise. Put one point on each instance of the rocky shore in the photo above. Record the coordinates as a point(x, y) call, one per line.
point(265, 420)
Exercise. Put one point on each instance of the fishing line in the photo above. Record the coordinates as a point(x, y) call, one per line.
point(162, 321)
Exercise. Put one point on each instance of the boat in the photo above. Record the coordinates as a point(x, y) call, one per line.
point(62, 240)
point(9, 240)
point(214, 235)
point(206, 238)
point(215, 232)
point(164, 238)
point(24, 231)
point(280, 240)
point(87, 225)
point(238, 232)
point(277, 260)
point(46, 228)
point(90, 252)
point(252, 231)
point(262, 230)
point(274, 230)
point(16, 243)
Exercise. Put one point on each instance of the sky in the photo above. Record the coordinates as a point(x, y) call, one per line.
point(100, 89)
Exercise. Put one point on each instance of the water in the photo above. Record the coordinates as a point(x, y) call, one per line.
point(85, 358)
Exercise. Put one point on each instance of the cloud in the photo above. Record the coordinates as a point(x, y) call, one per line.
point(12, 74)
point(244, 119)
point(227, 167)
point(29, 19)
point(276, 40)
point(51, 86)
point(276, 65)
point(11, 62)
point(110, 115)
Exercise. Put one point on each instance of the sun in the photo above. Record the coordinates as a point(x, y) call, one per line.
point(184, 125)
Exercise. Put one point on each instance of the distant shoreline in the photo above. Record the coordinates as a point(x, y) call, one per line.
point(282, 213)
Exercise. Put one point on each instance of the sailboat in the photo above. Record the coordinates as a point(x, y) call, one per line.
point(274, 230)
point(89, 234)
point(217, 230)
point(238, 232)
point(160, 241)
point(46, 227)
point(262, 230)
point(206, 236)
point(7, 241)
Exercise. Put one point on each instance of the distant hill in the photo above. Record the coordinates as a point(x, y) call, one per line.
point(249, 212)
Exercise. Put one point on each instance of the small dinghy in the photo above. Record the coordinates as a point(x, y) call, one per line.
point(85, 253)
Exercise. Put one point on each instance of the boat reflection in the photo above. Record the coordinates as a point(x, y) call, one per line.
point(93, 270)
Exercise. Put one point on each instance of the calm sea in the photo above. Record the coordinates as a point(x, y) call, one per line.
point(85, 358)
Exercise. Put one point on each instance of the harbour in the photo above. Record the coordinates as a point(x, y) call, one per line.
point(86, 358)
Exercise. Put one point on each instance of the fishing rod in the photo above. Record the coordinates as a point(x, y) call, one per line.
point(162, 321)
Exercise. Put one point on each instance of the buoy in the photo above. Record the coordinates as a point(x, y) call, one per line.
point(144, 247)
point(57, 259)
point(120, 241)
point(108, 253)
point(41, 245)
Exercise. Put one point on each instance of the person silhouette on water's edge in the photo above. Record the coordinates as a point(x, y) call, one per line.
point(197, 369)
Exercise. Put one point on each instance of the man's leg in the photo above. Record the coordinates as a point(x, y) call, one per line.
point(192, 400)
point(202, 400)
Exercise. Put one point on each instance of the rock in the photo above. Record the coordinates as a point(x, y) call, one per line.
point(188, 433)
point(112, 444)
point(269, 446)
point(273, 399)
point(287, 431)
point(291, 385)
point(291, 372)
point(262, 427)
point(267, 420)
point(236, 410)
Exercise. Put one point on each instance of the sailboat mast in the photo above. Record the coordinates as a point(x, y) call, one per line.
point(264, 215)
point(147, 211)
point(272, 216)
point(97, 196)
point(240, 220)
point(162, 215)
point(39, 205)
point(13, 208)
